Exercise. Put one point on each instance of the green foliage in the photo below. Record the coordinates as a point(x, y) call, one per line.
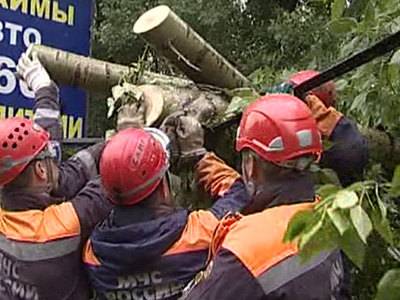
point(356, 220)
point(269, 40)
point(374, 87)
point(389, 286)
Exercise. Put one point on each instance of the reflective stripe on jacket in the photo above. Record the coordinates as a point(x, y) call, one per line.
point(156, 258)
point(254, 263)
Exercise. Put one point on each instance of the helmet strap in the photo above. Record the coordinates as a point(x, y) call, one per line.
point(299, 164)
point(50, 176)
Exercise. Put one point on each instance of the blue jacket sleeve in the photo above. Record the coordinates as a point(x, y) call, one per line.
point(47, 114)
point(348, 155)
point(223, 184)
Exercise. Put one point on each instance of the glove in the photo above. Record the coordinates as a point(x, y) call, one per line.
point(95, 152)
point(131, 116)
point(214, 175)
point(32, 72)
point(186, 135)
point(326, 118)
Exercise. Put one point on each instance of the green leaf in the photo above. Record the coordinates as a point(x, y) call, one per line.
point(310, 232)
point(353, 247)
point(327, 238)
point(297, 225)
point(361, 222)
point(339, 220)
point(358, 101)
point(327, 190)
point(369, 14)
point(356, 187)
point(395, 189)
point(244, 93)
point(382, 208)
point(327, 144)
point(393, 72)
point(341, 84)
point(395, 58)
point(236, 105)
point(346, 199)
point(328, 176)
point(343, 25)
point(338, 7)
point(351, 46)
point(389, 286)
point(385, 231)
point(382, 225)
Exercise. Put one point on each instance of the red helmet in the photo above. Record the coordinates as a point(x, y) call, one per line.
point(279, 127)
point(21, 140)
point(326, 92)
point(132, 166)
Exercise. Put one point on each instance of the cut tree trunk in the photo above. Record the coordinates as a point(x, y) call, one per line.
point(208, 105)
point(182, 46)
point(91, 74)
point(205, 103)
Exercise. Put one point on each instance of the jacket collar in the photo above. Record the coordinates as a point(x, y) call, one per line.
point(25, 200)
point(293, 188)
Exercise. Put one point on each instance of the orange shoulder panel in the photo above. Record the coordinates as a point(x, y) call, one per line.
point(257, 240)
point(88, 256)
point(37, 226)
point(214, 175)
point(197, 234)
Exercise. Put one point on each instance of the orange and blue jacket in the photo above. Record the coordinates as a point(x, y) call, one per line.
point(253, 262)
point(41, 246)
point(154, 258)
point(42, 235)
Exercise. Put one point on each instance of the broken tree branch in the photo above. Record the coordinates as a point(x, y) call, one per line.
point(92, 74)
point(182, 46)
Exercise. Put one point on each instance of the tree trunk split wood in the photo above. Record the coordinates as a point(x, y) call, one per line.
point(207, 105)
point(92, 74)
point(182, 46)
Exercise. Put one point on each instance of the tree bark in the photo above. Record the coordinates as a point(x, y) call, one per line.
point(207, 106)
point(186, 49)
point(382, 147)
point(205, 103)
point(92, 74)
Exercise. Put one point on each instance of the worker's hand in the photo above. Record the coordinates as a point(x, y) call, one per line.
point(33, 72)
point(131, 116)
point(326, 117)
point(186, 135)
point(95, 152)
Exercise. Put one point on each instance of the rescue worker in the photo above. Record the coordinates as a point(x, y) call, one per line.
point(347, 153)
point(148, 248)
point(41, 234)
point(81, 167)
point(278, 139)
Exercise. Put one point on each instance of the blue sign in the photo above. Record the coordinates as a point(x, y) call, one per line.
point(64, 25)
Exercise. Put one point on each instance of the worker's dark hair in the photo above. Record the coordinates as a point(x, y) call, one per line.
point(22, 180)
